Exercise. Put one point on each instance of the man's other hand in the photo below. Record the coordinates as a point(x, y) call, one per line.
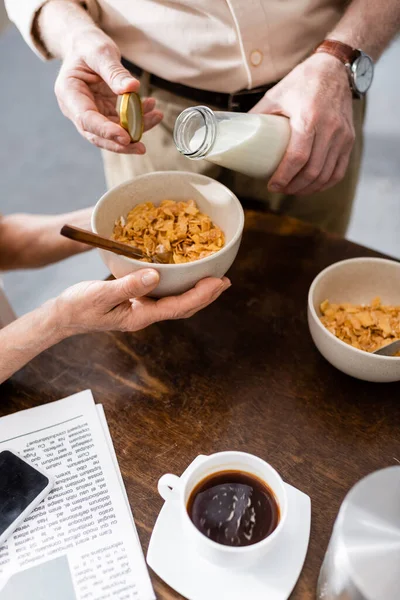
point(317, 99)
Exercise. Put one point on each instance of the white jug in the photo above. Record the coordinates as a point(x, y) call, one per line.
point(363, 557)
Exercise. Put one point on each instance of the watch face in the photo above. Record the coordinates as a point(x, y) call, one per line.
point(363, 73)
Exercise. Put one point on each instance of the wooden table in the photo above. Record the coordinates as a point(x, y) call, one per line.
point(243, 374)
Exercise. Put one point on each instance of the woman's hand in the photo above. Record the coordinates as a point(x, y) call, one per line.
point(117, 305)
point(317, 99)
point(122, 304)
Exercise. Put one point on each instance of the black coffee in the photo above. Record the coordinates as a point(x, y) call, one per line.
point(234, 508)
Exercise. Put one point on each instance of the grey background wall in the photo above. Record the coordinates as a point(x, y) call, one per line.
point(3, 16)
point(45, 166)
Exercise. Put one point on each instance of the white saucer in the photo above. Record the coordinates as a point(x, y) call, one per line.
point(274, 578)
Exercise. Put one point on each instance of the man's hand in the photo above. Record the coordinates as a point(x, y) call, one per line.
point(91, 76)
point(122, 305)
point(317, 99)
point(87, 86)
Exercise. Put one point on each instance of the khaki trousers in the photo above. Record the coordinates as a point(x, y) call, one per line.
point(329, 210)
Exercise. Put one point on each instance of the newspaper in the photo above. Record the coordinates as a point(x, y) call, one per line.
point(81, 542)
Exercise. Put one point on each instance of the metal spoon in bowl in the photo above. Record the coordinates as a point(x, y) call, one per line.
point(389, 350)
point(98, 241)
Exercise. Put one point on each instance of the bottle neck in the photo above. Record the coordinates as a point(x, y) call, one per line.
point(195, 132)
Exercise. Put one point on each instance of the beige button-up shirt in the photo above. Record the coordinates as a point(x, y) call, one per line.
point(218, 45)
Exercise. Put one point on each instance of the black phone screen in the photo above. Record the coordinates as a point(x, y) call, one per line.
point(20, 484)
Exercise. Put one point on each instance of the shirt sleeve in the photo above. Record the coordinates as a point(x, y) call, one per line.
point(23, 12)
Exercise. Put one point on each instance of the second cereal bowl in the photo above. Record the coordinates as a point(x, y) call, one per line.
point(212, 198)
point(357, 281)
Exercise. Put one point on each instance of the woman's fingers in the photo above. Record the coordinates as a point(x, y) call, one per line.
point(123, 305)
point(187, 304)
point(145, 311)
point(135, 285)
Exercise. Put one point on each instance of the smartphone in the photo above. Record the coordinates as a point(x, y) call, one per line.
point(22, 488)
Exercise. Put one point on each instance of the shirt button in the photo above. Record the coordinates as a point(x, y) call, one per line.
point(256, 58)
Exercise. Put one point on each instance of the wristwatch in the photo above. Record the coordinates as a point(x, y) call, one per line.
point(360, 66)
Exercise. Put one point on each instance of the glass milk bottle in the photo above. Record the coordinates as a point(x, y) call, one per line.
point(248, 143)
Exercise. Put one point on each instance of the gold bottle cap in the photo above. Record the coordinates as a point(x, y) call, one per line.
point(130, 110)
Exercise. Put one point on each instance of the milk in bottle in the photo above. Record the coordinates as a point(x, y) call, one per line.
point(248, 143)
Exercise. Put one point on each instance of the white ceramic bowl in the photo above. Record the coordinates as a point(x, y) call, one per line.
point(212, 198)
point(358, 281)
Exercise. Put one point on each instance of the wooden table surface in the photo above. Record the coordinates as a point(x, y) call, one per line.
point(242, 375)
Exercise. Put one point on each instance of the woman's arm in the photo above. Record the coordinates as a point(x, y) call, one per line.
point(30, 241)
point(27, 337)
point(119, 305)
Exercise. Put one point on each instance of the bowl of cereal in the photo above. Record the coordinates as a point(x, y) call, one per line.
point(353, 310)
point(194, 222)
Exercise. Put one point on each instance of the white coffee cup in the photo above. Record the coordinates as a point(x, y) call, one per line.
point(178, 489)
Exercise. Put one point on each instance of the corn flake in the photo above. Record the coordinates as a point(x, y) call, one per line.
point(177, 230)
point(366, 327)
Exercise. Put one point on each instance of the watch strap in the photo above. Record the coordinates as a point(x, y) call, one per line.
point(345, 53)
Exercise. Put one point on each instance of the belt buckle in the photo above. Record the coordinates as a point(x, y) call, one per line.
point(234, 99)
point(233, 104)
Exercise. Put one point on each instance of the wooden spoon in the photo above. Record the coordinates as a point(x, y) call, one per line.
point(98, 241)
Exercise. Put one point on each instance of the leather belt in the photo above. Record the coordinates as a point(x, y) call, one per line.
point(241, 101)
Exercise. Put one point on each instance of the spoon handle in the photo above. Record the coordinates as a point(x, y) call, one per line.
point(93, 239)
point(390, 349)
